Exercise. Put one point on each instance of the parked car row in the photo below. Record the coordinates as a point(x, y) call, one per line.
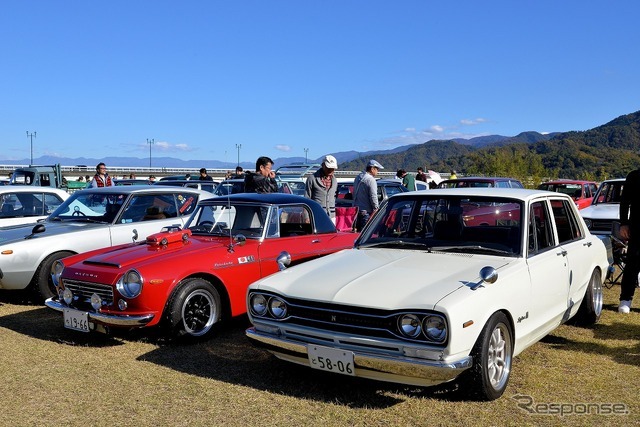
point(441, 285)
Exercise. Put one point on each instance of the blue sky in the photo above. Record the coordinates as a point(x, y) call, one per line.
point(99, 78)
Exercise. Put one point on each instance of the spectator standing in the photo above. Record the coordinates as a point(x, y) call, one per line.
point(204, 177)
point(239, 172)
point(408, 180)
point(101, 178)
point(629, 231)
point(322, 186)
point(365, 193)
point(187, 177)
point(453, 175)
point(152, 178)
point(421, 176)
point(263, 180)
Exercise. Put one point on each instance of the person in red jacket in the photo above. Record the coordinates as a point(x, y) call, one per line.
point(101, 178)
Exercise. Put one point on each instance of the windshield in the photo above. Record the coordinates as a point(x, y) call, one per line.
point(89, 207)
point(224, 220)
point(229, 187)
point(573, 190)
point(451, 223)
point(609, 192)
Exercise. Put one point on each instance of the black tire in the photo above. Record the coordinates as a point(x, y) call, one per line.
point(492, 356)
point(193, 309)
point(42, 282)
point(591, 306)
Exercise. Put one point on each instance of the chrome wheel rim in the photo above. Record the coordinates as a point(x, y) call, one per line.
point(198, 313)
point(499, 356)
point(596, 294)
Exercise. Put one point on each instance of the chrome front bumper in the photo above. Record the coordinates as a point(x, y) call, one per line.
point(377, 366)
point(105, 319)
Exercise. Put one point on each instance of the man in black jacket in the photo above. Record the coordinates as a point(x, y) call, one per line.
point(263, 180)
point(629, 230)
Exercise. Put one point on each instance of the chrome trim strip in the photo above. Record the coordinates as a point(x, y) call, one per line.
point(105, 319)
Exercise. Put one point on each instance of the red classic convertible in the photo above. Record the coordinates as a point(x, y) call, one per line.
point(187, 280)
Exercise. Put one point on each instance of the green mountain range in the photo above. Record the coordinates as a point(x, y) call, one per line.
point(607, 151)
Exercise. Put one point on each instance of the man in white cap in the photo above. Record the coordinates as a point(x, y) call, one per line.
point(322, 186)
point(365, 193)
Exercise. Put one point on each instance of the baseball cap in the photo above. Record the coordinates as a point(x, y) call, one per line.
point(374, 164)
point(330, 162)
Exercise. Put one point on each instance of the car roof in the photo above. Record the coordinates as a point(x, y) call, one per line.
point(568, 181)
point(31, 189)
point(129, 189)
point(513, 193)
point(481, 179)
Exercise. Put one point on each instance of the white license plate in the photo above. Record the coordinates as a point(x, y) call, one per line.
point(76, 320)
point(331, 359)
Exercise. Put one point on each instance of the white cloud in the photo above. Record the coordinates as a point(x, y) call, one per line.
point(468, 122)
point(437, 128)
point(165, 147)
point(283, 148)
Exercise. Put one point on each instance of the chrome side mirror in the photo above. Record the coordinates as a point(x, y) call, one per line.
point(283, 260)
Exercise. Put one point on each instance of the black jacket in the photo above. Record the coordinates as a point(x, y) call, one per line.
point(256, 183)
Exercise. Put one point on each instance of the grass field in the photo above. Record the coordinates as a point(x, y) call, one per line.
point(53, 376)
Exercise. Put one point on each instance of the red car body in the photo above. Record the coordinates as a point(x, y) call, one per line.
point(191, 279)
point(581, 192)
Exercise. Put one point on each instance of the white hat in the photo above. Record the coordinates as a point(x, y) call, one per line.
point(374, 164)
point(330, 162)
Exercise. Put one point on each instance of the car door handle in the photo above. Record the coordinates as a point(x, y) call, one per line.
point(563, 253)
point(588, 244)
point(315, 241)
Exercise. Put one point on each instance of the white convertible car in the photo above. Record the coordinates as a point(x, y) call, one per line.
point(441, 284)
point(89, 219)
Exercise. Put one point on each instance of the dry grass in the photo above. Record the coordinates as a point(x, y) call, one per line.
point(52, 376)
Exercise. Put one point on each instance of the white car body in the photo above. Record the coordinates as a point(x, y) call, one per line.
point(351, 304)
point(26, 204)
point(604, 210)
point(27, 252)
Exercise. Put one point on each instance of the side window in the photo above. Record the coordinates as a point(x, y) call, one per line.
point(593, 189)
point(566, 223)
point(540, 231)
point(295, 221)
point(502, 184)
point(51, 203)
point(141, 208)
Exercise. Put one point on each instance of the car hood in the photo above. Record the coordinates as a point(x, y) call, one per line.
point(21, 232)
point(601, 211)
point(127, 256)
point(389, 278)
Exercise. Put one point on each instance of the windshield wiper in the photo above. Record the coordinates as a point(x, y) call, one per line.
point(394, 243)
point(469, 248)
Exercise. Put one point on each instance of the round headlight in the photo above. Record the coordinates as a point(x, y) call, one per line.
point(67, 296)
point(259, 304)
point(435, 328)
point(130, 284)
point(409, 325)
point(56, 272)
point(277, 307)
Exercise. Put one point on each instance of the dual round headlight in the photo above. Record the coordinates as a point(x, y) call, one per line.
point(130, 284)
point(430, 326)
point(261, 305)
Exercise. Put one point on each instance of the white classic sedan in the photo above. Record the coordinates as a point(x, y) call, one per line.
point(26, 204)
point(440, 285)
point(89, 219)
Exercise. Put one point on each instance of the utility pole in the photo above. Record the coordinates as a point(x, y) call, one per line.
point(31, 136)
point(238, 147)
point(306, 150)
point(150, 142)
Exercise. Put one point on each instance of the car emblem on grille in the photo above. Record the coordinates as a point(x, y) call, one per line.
point(81, 274)
point(334, 318)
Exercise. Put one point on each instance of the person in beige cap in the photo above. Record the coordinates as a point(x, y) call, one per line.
point(322, 186)
point(365, 193)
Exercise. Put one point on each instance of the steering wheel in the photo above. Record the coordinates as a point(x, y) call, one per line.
point(77, 212)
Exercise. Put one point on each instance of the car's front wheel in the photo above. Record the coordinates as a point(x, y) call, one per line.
point(591, 306)
point(492, 355)
point(193, 309)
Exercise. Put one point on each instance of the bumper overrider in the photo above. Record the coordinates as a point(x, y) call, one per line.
point(372, 359)
point(117, 320)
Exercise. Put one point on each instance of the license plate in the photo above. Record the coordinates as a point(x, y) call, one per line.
point(76, 320)
point(331, 359)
